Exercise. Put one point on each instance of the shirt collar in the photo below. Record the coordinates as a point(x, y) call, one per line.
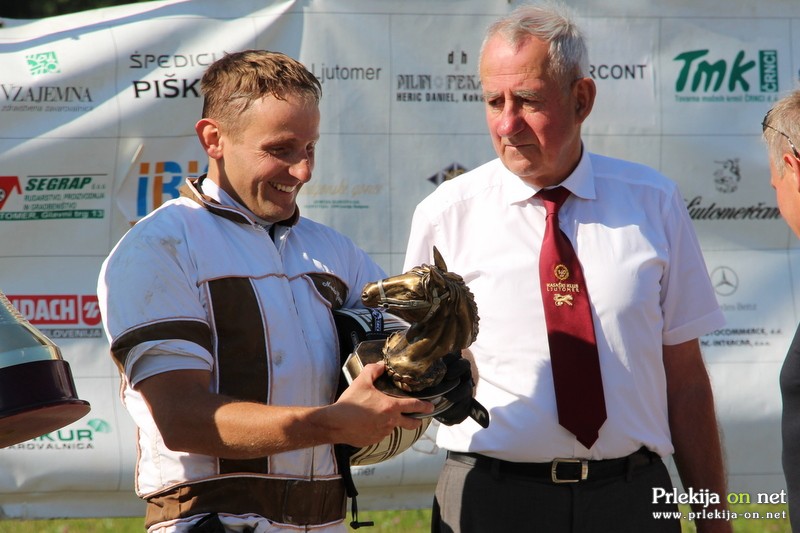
point(580, 182)
point(209, 194)
point(213, 190)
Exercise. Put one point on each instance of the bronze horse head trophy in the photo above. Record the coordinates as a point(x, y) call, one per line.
point(443, 319)
point(433, 313)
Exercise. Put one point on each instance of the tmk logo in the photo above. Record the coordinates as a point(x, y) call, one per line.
point(163, 184)
point(58, 309)
point(701, 74)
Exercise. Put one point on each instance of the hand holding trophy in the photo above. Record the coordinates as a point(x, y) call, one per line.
point(439, 318)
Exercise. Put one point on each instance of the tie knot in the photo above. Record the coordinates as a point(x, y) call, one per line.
point(553, 198)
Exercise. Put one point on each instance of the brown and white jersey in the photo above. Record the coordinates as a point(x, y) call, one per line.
point(199, 284)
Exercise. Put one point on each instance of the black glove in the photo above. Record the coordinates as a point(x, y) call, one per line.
point(464, 405)
point(208, 524)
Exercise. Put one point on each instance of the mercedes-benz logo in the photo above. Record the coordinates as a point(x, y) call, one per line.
point(724, 280)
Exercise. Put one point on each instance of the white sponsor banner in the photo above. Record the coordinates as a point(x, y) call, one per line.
point(96, 130)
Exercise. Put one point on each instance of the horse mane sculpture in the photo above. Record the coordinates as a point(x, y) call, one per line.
point(443, 316)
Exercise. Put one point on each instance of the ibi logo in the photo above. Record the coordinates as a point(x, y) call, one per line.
point(159, 182)
point(703, 73)
point(43, 63)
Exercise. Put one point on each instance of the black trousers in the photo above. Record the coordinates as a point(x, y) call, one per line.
point(478, 500)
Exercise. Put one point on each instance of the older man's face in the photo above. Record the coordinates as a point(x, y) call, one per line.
point(534, 121)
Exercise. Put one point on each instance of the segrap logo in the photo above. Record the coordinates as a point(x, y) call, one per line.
point(52, 197)
point(8, 185)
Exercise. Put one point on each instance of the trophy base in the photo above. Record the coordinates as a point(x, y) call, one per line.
point(372, 352)
point(37, 398)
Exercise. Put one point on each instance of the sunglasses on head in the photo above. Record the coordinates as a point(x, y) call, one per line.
point(764, 127)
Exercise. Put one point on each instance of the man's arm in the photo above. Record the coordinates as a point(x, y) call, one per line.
point(693, 424)
point(193, 419)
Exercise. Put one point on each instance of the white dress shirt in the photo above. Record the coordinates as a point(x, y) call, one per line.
point(647, 282)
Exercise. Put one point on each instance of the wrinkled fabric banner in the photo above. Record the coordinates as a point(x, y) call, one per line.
point(97, 111)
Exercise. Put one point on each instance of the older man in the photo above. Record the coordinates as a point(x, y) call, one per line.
point(592, 293)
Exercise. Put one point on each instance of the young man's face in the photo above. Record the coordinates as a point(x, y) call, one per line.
point(271, 155)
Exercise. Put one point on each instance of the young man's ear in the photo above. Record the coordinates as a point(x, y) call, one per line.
point(210, 137)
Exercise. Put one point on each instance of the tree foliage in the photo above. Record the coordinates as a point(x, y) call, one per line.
point(35, 9)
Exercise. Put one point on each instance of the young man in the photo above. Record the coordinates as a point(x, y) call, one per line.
point(542, 465)
point(218, 307)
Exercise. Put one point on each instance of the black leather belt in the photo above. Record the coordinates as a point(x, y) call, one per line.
point(561, 470)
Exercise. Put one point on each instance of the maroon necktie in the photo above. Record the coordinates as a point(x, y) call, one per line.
point(570, 331)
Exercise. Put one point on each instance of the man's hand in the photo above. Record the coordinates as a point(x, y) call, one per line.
point(364, 415)
point(693, 424)
point(191, 418)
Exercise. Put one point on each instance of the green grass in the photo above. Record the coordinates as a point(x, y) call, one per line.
point(410, 521)
point(74, 525)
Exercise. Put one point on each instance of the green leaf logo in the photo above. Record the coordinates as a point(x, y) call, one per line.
point(43, 63)
point(100, 426)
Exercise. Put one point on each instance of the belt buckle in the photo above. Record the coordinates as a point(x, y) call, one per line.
point(554, 470)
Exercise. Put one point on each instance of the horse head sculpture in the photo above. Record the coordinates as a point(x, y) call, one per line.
point(443, 319)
